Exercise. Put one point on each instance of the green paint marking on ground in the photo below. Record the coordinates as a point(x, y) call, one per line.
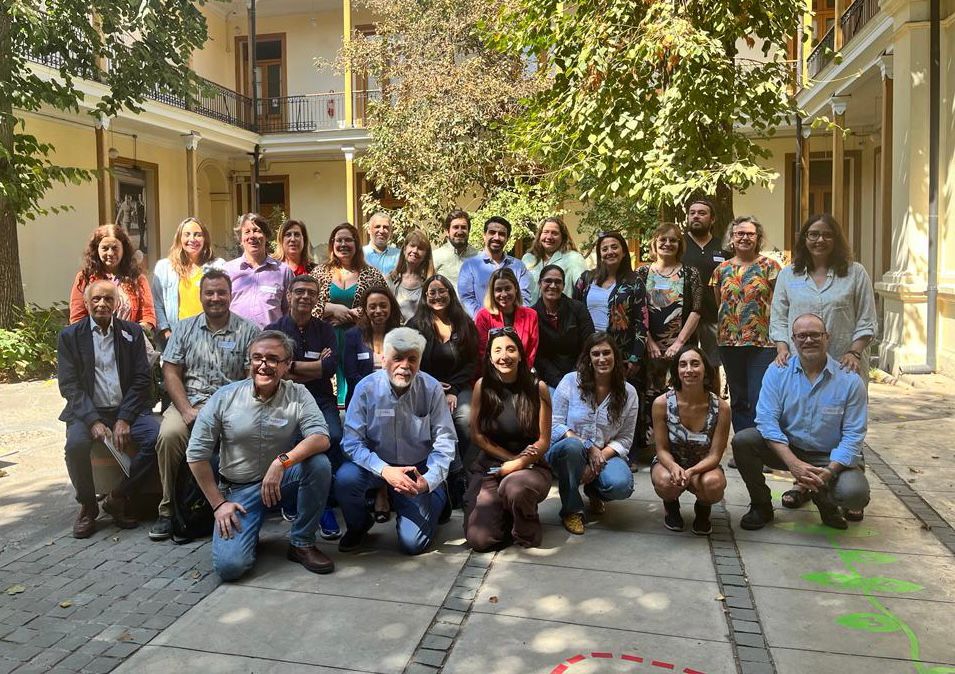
point(819, 529)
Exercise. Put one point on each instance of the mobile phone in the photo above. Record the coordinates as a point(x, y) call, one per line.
point(493, 470)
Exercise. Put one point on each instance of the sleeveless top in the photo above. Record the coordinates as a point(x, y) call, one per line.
point(686, 446)
point(506, 432)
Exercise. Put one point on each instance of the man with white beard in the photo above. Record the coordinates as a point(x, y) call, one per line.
point(399, 433)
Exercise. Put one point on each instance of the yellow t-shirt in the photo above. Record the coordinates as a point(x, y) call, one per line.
point(189, 304)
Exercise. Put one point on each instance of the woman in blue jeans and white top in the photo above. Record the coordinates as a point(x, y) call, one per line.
point(595, 411)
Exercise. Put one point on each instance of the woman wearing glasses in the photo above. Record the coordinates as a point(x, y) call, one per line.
point(743, 287)
point(823, 280)
point(563, 324)
point(449, 356)
point(510, 424)
point(503, 307)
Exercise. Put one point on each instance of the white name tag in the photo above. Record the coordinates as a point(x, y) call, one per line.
point(269, 289)
point(698, 437)
point(832, 410)
point(227, 345)
point(661, 285)
point(278, 423)
point(312, 354)
point(719, 258)
point(363, 356)
point(384, 413)
point(128, 337)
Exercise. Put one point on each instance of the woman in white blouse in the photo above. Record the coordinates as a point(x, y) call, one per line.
point(595, 411)
point(823, 280)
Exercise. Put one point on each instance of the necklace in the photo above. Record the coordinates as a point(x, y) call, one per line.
point(671, 272)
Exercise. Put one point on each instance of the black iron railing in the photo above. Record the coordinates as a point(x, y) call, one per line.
point(856, 17)
point(822, 54)
point(213, 101)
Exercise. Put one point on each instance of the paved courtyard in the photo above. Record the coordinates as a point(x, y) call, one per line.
point(629, 596)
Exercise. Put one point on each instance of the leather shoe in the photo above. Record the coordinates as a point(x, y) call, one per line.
point(311, 558)
point(829, 512)
point(759, 516)
point(115, 507)
point(574, 523)
point(85, 523)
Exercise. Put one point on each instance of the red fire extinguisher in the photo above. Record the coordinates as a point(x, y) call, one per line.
point(330, 108)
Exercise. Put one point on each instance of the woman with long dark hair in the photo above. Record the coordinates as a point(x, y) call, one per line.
point(691, 425)
point(595, 412)
point(110, 256)
point(553, 245)
point(503, 306)
point(510, 424)
point(563, 326)
point(823, 280)
point(414, 266)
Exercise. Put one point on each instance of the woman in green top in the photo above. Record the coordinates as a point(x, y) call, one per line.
point(554, 245)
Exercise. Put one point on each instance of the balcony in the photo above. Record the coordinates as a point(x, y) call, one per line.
point(822, 54)
point(856, 17)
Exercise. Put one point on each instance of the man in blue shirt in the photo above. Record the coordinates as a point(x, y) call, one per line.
point(399, 433)
point(379, 252)
point(810, 420)
point(476, 271)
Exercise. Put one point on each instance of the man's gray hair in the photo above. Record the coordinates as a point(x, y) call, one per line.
point(403, 340)
point(88, 290)
point(278, 336)
point(378, 214)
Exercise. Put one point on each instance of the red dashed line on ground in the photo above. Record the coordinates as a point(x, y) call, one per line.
point(605, 655)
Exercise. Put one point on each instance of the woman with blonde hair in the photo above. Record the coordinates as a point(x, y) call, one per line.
point(176, 277)
point(293, 247)
point(413, 267)
point(554, 245)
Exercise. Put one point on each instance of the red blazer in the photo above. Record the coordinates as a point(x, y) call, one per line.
point(525, 324)
point(141, 309)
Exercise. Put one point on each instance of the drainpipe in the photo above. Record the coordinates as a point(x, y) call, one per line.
point(931, 319)
point(797, 214)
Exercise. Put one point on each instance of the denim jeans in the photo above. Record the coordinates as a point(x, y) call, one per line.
point(143, 432)
point(304, 487)
point(745, 367)
point(568, 458)
point(417, 516)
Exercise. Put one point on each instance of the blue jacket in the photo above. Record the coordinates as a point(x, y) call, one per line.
point(165, 288)
point(358, 360)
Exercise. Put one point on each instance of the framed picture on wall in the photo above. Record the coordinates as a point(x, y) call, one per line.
point(130, 187)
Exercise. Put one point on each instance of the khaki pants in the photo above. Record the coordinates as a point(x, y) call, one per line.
point(170, 448)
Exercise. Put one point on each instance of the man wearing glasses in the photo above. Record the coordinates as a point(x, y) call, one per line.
point(204, 353)
point(810, 420)
point(255, 423)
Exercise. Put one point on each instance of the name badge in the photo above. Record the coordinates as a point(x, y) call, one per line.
point(364, 356)
point(269, 289)
point(661, 285)
point(719, 258)
point(832, 409)
point(278, 423)
point(698, 437)
point(312, 354)
point(384, 413)
point(227, 345)
point(128, 337)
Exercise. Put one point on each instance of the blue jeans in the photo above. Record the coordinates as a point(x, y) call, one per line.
point(568, 458)
point(417, 516)
point(745, 367)
point(304, 486)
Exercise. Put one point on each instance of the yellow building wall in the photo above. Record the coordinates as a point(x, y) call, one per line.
point(216, 60)
point(769, 204)
point(316, 194)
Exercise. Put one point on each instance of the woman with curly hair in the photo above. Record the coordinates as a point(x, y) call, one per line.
point(595, 412)
point(554, 245)
point(176, 277)
point(413, 267)
point(109, 256)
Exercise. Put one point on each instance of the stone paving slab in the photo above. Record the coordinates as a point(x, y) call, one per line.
point(808, 621)
point(302, 627)
point(510, 645)
point(603, 599)
point(165, 659)
point(789, 661)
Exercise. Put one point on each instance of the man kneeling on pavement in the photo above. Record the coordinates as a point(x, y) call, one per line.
point(810, 420)
point(253, 421)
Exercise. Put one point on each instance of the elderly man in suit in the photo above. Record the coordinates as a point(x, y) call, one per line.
point(104, 376)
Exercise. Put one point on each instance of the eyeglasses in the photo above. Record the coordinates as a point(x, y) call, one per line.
point(552, 282)
point(271, 361)
point(745, 235)
point(816, 236)
point(305, 292)
point(440, 292)
point(808, 336)
point(497, 332)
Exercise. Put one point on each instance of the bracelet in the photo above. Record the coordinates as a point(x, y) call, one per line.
point(854, 353)
point(224, 501)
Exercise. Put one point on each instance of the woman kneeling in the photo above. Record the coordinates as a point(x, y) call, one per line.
point(690, 425)
point(595, 411)
point(510, 423)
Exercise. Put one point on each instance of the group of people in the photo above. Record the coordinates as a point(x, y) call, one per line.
point(468, 378)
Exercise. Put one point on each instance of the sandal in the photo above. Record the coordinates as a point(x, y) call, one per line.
point(795, 498)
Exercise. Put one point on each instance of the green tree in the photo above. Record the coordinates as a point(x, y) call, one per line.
point(146, 45)
point(649, 99)
point(438, 131)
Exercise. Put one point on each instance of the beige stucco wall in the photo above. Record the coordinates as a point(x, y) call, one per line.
point(216, 60)
point(769, 204)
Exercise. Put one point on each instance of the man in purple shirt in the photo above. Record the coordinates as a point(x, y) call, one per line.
point(259, 282)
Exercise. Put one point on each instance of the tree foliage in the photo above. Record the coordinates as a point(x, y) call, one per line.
point(648, 99)
point(439, 129)
point(132, 48)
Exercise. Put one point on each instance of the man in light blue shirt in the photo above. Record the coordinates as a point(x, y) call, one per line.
point(378, 252)
point(399, 433)
point(476, 271)
point(810, 420)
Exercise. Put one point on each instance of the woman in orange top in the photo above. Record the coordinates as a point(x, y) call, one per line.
point(109, 256)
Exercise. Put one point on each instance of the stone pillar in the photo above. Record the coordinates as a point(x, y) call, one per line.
point(191, 141)
point(838, 162)
point(883, 241)
point(103, 192)
point(349, 153)
point(837, 41)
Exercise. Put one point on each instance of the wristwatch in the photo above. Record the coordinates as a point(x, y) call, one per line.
point(285, 460)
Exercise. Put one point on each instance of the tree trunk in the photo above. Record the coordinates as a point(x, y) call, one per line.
point(723, 200)
point(11, 286)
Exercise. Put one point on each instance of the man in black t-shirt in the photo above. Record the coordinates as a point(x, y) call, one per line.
point(704, 252)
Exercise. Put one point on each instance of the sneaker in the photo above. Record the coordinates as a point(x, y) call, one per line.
point(574, 523)
point(353, 539)
point(162, 529)
point(701, 524)
point(328, 526)
point(673, 520)
point(757, 517)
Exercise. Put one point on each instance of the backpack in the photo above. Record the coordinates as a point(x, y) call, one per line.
point(191, 513)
